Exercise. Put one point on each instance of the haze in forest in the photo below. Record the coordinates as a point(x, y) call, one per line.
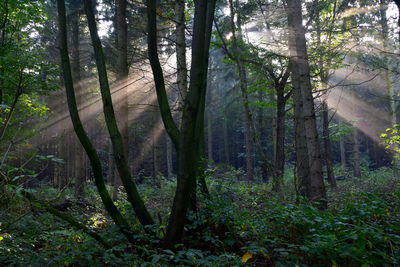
point(199, 133)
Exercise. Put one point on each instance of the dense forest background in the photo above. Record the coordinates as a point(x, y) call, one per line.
point(199, 133)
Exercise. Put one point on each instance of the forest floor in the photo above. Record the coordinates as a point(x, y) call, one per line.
point(241, 225)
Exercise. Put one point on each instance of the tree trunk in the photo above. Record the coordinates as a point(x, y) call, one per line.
point(116, 138)
point(356, 153)
point(226, 141)
point(249, 134)
point(80, 131)
point(342, 148)
point(122, 40)
point(3, 29)
point(397, 2)
point(324, 68)
point(313, 186)
point(181, 65)
point(169, 156)
point(121, 93)
point(209, 121)
point(10, 113)
point(280, 141)
point(327, 144)
point(209, 137)
point(111, 173)
point(188, 139)
point(79, 155)
point(156, 151)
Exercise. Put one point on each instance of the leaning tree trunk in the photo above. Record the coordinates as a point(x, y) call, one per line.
point(7, 120)
point(116, 139)
point(304, 112)
point(80, 131)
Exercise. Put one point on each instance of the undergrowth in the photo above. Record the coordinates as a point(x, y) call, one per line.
point(241, 225)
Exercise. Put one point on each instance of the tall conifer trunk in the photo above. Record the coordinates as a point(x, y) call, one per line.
point(311, 178)
point(248, 118)
point(79, 156)
point(342, 147)
point(279, 162)
point(324, 69)
point(121, 95)
point(327, 144)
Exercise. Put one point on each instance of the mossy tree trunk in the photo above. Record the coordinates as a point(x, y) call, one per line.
point(80, 131)
point(116, 138)
point(187, 139)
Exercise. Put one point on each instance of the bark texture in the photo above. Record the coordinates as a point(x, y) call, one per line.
point(121, 93)
point(80, 131)
point(342, 146)
point(186, 140)
point(327, 144)
point(79, 158)
point(115, 135)
point(307, 143)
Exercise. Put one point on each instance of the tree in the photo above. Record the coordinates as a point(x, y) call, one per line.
point(389, 70)
point(397, 2)
point(325, 68)
point(120, 156)
point(309, 167)
point(78, 126)
point(25, 74)
point(79, 158)
point(122, 71)
point(187, 139)
point(243, 83)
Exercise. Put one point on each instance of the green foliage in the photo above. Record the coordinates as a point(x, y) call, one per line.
point(339, 131)
point(241, 225)
point(25, 75)
point(361, 227)
point(392, 139)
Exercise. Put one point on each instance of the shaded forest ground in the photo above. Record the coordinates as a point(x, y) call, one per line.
point(242, 225)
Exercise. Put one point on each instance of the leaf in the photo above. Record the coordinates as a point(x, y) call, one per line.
point(247, 256)
point(4, 106)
